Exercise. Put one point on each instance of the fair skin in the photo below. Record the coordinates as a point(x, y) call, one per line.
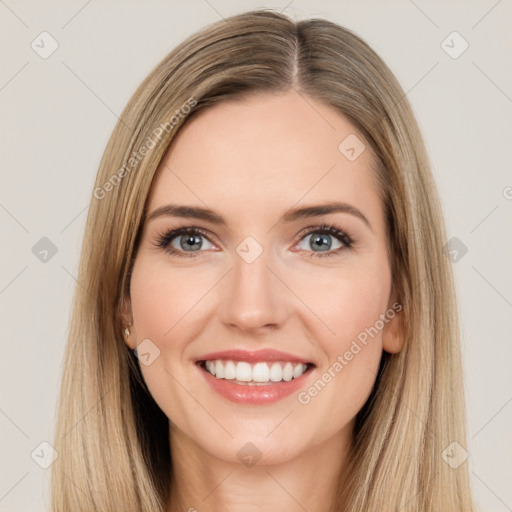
point(250, 161)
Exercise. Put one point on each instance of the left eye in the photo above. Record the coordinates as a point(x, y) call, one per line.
point(321, 241)
point(320, 238)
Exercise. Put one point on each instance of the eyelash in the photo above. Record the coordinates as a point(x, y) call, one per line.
point(164, 239)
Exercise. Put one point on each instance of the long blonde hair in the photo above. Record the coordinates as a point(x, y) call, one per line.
point(111, 437)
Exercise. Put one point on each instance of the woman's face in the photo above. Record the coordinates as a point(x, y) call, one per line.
point(261, 294)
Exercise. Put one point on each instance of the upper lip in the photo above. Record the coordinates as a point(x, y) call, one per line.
point(253, 356)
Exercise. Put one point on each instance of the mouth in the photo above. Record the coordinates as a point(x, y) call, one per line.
point(254, 378)
point(262, 373)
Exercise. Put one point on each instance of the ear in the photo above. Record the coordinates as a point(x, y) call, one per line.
point(392, 333)
point(127, 322)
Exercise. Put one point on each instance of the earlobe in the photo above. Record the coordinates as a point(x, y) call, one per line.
point(129, 337)
point(392, 335)
point(127, 323)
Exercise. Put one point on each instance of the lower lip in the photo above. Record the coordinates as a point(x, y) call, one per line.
point(254, 395)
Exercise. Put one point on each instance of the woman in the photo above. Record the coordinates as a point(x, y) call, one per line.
point(265, 317)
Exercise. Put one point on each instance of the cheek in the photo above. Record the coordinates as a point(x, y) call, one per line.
point(164, 302)
point(357, 306)
point(347, 300)
point(163, 311)
point(166, 309)
point(350, 303)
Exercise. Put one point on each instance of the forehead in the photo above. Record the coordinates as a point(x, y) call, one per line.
point(265, 152)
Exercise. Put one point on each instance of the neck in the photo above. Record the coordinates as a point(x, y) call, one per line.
point(204, 483)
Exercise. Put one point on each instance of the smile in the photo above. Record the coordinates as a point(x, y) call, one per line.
point(254, 378)
point(260, 373)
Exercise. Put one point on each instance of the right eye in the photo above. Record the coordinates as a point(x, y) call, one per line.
point(182, 242)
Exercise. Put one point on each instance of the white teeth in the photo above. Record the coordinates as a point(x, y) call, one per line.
point(276, 373)
point(261, 372)
point(230, 370)
point(210, 366)
point(219, 369)
point(288, 372)
point(243, 371)
point(297, 371)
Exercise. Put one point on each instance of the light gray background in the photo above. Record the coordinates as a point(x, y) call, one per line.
point(57, 114)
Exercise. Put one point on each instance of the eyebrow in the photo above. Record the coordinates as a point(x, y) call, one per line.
point(293, 214)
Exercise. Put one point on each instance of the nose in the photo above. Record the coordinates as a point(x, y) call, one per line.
point(254, 298)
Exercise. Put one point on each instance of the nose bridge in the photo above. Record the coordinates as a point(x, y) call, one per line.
point(255, 297)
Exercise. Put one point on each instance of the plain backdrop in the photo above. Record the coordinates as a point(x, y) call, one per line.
point(58, 112)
